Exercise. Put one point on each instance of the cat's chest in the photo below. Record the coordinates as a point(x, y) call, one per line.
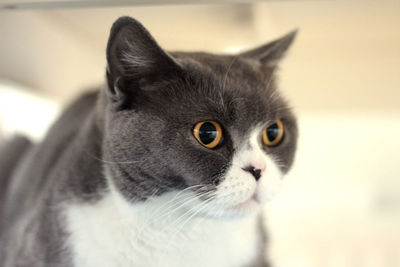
point(101, 236)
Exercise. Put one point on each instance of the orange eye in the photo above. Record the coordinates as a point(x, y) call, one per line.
point(208, 133)
point(273, 134)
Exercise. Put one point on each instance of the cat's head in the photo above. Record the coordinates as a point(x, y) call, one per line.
point(211, 126)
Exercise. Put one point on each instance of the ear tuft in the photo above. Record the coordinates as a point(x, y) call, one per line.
point(271, 53)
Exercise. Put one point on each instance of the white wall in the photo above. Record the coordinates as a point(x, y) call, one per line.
point(25, 112)
point(340, 205)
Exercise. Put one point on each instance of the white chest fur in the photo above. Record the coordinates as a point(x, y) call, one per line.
point(113, 232)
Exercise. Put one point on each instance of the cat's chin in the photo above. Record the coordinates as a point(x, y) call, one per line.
point(244, 209)
point(248, 207)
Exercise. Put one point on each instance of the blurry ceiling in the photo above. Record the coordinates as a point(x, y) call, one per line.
point(52, 4)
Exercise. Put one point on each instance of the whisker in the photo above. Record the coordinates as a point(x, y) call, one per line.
point(167, 211)
point(110, 162)
point(176, 195)
point(227, 72)
point(156, 217)
point(180, 205)
point(271, 77)
point(202, 207)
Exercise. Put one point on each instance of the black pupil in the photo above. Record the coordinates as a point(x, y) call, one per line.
point(272, 132)
point(207, 133)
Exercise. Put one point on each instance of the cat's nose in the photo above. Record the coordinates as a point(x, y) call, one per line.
point(255, 172)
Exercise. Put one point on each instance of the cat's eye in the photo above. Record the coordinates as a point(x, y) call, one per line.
point(208, 133)
point(273, 134)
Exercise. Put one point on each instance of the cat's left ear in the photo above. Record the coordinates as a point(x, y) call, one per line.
point(271, 53)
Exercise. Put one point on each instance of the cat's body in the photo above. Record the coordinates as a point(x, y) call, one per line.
point(32, 228)
point(120, 180)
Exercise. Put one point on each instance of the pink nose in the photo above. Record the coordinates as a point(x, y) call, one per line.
point(258, 163)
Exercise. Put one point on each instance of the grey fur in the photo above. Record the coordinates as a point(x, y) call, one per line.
point(140, 128)
point(12, 151)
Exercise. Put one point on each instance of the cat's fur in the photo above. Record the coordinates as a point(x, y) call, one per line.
point(121, 181)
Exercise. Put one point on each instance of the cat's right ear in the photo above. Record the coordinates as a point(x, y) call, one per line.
point(271, 53)
point(134, 61)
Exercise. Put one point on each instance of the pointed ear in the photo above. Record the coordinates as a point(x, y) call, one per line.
point(134, 60)
point(271, 53)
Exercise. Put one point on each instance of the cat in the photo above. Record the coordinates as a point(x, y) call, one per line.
point(168, 165)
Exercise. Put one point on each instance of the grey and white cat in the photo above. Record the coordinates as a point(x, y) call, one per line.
point(167, 166)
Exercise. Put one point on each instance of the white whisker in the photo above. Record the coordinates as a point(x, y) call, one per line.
point(206, 203)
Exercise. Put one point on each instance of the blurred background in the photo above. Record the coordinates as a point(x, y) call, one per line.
point(340, 205)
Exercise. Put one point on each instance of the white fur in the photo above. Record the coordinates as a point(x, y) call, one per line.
point(239, 191)
point(177, 228)
point(114, 233)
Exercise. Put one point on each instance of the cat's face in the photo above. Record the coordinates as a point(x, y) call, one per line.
point(211, 127)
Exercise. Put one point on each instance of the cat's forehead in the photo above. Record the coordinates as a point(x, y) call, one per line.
point(233, 89)
point(225, 68)
point(226, 89)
